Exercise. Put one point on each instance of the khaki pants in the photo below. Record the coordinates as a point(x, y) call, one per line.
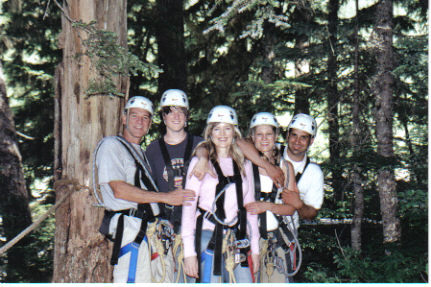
point(150, 266)
point(275, 276)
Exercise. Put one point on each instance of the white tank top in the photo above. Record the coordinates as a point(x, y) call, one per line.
point(266, 187)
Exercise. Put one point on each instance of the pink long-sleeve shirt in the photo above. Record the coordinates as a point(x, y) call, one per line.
point(205, 194)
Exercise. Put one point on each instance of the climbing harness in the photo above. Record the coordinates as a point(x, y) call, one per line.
point(283, 236)
point(215, 250)
point(146, 212)
point(173, 213)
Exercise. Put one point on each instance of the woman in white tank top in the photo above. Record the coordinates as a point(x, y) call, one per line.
point(273, 213)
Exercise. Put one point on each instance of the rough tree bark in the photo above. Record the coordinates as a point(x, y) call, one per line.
point(170, 41)
point(14, 208)
point(81, 253)
point(355, 141)
point(383, 91)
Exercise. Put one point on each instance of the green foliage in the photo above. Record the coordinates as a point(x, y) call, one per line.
point(110, 60)
point(397, 267)
point(325, 261)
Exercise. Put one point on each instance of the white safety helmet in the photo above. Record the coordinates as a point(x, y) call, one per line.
point(304, 123)
point(174, 97)
point(140, 103)
point(222, 114)
point(263, 118)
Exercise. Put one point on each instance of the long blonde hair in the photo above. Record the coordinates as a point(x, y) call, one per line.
point(234, 150)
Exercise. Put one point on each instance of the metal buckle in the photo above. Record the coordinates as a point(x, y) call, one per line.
point(242, 243)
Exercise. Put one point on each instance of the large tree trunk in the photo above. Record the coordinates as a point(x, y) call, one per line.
point(81, 253)
point(270, 40)
point(170, 41)
point(383, 89)
point(302, 66)
point(355, 141)
point(14, 208)
point(332, 96)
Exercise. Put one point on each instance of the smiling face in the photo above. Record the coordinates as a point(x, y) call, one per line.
point(264, 138)
point(298, 142)
point(175, 119)
point(137, 123)
point(222, 136)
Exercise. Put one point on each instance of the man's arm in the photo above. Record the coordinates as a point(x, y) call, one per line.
point(292, 198)
point(202, 166)
point(307, 212)
point(250, 152)
point(126, 191)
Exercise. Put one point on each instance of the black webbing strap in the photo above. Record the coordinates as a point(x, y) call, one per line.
point(212, 242)
point(286, 249)
point(242, 212)
point(198, 237)
point(286, 230)
point(258, 192)
point(174, 213)
point(188, 153)
point(168, 161)
point(217, 238)
point(143, 211)
point(240, 201)
point(257, 187)
point(242, 230)
point(118, 239)
point(299, 175)
point(259, 195)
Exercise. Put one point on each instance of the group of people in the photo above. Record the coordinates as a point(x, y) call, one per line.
point(217, 208)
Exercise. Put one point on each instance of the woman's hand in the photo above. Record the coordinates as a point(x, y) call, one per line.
point(275, 173)
point(191, 266)
point(257, 207)
point(256, 262)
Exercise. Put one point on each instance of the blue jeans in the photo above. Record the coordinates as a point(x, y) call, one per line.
point(242, 274)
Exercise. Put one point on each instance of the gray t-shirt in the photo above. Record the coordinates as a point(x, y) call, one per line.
point(114, 162)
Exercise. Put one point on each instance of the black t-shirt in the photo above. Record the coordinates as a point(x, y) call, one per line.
point(158, 167)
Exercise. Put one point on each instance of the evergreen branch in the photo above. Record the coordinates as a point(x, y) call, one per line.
point(46, 10)
point(66, 14)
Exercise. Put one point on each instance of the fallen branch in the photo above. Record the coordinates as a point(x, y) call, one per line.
point(35, 224)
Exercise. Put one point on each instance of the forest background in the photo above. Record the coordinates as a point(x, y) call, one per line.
point(359, 67)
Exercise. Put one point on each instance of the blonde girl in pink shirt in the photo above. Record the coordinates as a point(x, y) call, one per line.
point(218, 210)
